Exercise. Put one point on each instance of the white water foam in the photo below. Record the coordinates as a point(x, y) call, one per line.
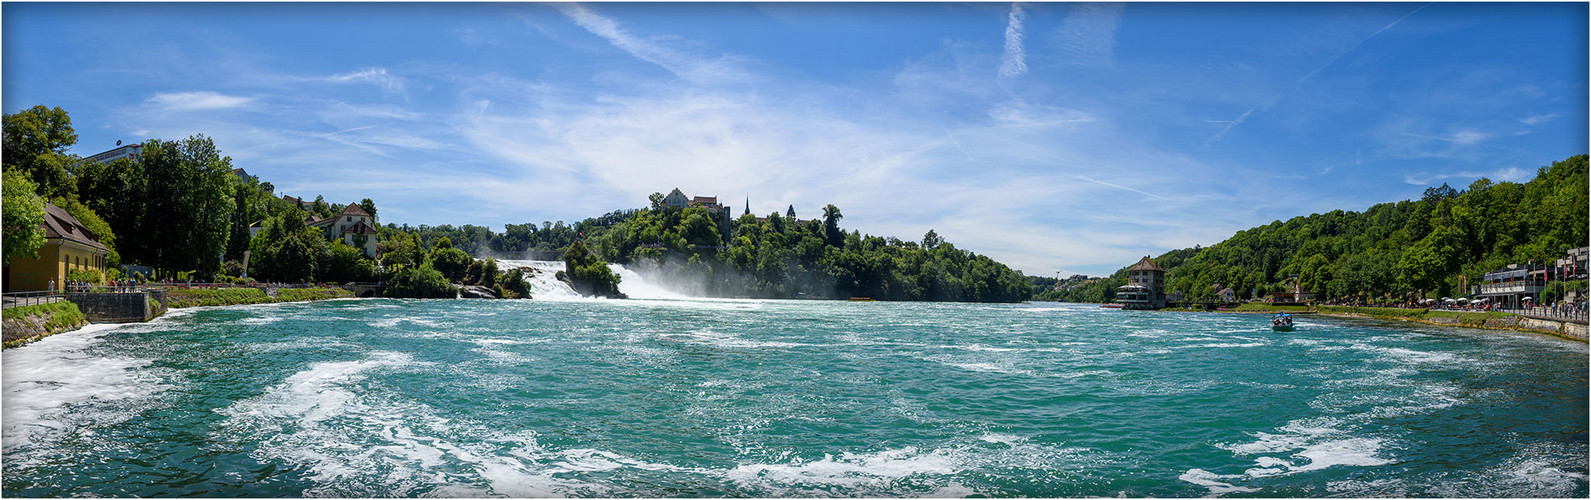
point(544, 284)
point(1315, 444)
point(54, 384)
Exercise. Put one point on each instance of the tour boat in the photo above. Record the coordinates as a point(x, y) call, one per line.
point(1282, 322)
point(1111, 306)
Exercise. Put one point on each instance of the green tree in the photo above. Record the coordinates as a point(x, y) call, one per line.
point(588, 274)
point(370, 208)
point(189, 205)
point(23, 212)
point(421, 281)
point(831, 226)
point(35, 141)
point(451, 262)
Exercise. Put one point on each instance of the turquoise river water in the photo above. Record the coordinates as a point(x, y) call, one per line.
point(692, 398)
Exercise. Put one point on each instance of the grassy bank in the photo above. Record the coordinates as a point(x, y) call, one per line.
point(241, 296)
point(1478, 319)
point(29, 323)
point(1255, 308)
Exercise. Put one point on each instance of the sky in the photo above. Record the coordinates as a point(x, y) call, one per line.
point(1053, 137)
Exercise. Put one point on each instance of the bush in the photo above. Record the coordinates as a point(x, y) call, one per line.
point(420, 282)
point(451, 262)
point(588, 274)
point(513, 286)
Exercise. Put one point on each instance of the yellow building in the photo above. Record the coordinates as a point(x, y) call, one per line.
point(68, 246)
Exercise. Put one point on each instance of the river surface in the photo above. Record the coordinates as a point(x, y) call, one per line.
point(691, 398)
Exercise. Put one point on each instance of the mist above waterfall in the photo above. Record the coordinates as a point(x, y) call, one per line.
point(544, 284)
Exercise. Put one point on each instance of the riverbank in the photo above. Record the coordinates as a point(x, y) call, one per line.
point(26, 324)
point(1468, 319)
point(193, 297)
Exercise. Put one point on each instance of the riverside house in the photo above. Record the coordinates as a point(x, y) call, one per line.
point(1145, 288)
point(68, 246)
point(351, 225)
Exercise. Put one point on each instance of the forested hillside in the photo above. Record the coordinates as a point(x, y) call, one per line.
point(1390, 251)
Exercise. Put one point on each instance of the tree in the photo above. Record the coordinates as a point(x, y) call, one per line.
point(831, 226)
point(588, 274)
point(189, 205)
point(931, 240)
point(23, 212)
point(35, 141)
point(421, 281)
point(370, 208)
point(449, 261)
point(790, 212)
point(657, 201)
point(92, 221)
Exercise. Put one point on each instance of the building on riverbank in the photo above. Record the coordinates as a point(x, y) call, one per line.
point(68, 246)
point(349, 225)
point(1145, 288)
point(1507, 288)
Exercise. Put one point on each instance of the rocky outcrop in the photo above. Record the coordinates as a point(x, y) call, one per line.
point(477, 292)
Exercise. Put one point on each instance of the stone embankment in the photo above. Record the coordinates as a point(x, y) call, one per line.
point(29, 323)
point(1561, 328)
point(120, 307)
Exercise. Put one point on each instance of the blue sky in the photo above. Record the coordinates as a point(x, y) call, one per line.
point(1049, 136)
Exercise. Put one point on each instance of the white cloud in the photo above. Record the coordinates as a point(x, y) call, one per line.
point(377, 76)
point(684, 65)
point(1537, 119)
point(1013, 62)
point(193, 101)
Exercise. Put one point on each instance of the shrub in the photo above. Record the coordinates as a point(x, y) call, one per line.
point(420, 282)
point(513, 286)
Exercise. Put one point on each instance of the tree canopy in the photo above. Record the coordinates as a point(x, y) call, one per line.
point(1391, 251)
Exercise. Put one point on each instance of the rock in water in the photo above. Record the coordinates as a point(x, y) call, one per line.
point(478, 292)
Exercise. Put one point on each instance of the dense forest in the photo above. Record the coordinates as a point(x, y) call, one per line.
point(1389, 252)
point(785, 257)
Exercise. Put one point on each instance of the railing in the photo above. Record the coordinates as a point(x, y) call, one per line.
point(1513, 287)
point(18, 299)
point(1566, 313)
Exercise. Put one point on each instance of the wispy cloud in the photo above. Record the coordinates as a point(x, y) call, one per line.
point(1538, 119)
point(682, 64)
point(1013, 62)
point(1510, 174)
point(1272, 100)
point(193, 101)
point(377, 76)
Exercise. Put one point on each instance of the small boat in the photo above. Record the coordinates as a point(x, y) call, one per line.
point(1282, 322)
point(1110, 306)
point(861, 299)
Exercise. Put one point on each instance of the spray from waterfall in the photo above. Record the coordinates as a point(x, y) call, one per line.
point(544, 284)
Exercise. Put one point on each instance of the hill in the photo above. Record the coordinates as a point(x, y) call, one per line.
point(1391, 251)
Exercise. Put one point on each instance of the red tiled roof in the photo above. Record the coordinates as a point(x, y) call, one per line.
point(1145, 264)
point(353, 209)
point(60, 224)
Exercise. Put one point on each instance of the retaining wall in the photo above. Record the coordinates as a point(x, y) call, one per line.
point(120, 307)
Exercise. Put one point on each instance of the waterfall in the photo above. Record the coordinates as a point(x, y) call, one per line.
point(544, 284)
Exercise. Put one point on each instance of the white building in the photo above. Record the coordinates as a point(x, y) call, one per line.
point(349, 226)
